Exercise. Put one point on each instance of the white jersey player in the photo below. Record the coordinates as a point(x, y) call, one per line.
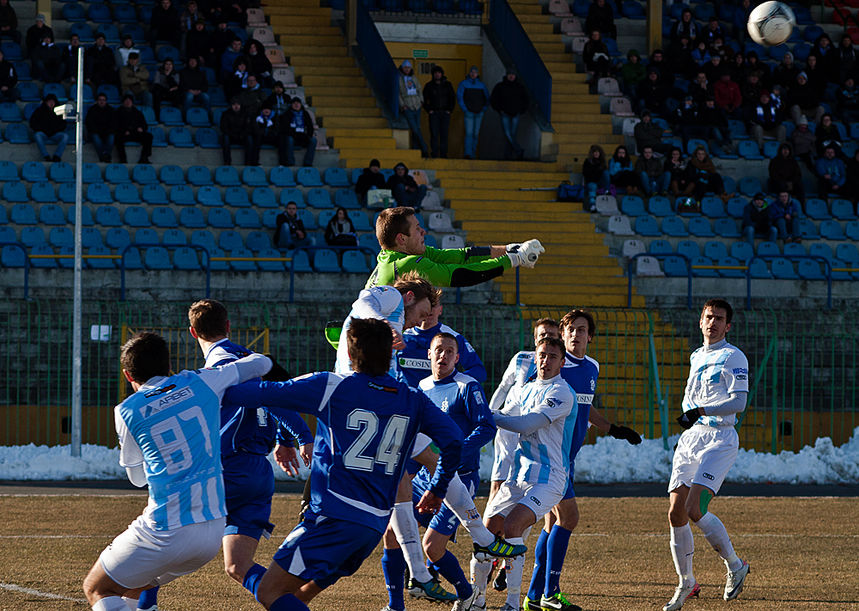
point(716, 392)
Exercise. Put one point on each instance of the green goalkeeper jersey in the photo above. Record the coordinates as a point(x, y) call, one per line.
point(441, 267)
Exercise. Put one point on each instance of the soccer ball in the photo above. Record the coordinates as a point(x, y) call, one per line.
point(771, 23)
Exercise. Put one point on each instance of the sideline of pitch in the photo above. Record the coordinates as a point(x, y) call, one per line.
point(11, 587)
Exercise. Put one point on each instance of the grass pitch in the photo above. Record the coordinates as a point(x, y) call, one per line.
point(804, 554)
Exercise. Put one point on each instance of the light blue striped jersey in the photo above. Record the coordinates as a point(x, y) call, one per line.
point(715, 372)
point(171, 427)
point(381, 302)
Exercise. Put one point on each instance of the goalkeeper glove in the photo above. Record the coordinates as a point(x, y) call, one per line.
point(624, 432)
point(532, 249)
point(687, 419)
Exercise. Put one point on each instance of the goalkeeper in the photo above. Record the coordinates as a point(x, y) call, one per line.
point(403, 250)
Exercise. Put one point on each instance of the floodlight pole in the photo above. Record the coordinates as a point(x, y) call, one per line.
point(76, 316)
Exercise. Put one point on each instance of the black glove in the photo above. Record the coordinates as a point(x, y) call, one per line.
point(277, 373)
point(624, 432)
point(687, 419)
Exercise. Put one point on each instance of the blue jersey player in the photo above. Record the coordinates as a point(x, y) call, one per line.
point(169, 439)
point(367, 423)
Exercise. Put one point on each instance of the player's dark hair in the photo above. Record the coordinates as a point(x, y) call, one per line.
point(546, 322)
point(723, 305)
point(553, 341)
point(145, 356)
point(392, 221)
point(420, 287)
point(445, 335)
point(570, 316)
point(209, 319)
point(369, 342)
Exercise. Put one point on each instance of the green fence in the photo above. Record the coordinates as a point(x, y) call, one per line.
point(801, 362)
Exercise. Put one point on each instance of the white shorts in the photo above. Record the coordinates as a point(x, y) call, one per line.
point(704, 456)
point(422, 442)
point(505, 447)
point(539, 498)
point(142, 557)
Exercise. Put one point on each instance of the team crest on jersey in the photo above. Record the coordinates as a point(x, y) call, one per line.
point(445, 405)
point(262, 417)
point(478, 397)
point(593, 384)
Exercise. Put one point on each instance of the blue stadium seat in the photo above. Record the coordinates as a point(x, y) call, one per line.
point(98, 13)
point(197, 117)
point(108, 216)
point(248, 218)
point(33, 171)
point(100, 263)
point(30, 236)
point(808, 269)
point(172, 175)
point(794, 249)
point(237, 197)
point(282, 176)
point(207, 138)
point(771, 147)
point(270, 266)
point(346, 198)
point(28, 91)
point(58, 89)
point(146, 236)
point(73, 12)
point(712, 207)
point(292, 195)
point(700, 226)
point(758, 269)
point(22, 214)
point(149, 115)
point(308, 218)
point(821, 249)
point(99, 193)
point(258, 241)
point(749, 185)
point(731, 273)
point(832, 230)
point(661, 247)
point(171, 116)
point(186, 259)
point(215, 265)
point(675, 266)
point(715, 250)
point(703, 273)
point(164, 217)
point(851, 229)
point(359, 220)
point(157, 258)
point(319, 198)
point(43, 192)
point(325, 260)
point(688, 248)
point(16, 133)
point(199, 176)
point(209, 196)
point(182, 195)
point(269, 218)
point(165, 51)
point(61, 172)
point(125, 14)
point(126, 193)
point(694, 143)
point(61, 236)
point(154, 194)
point(768, 248)
point(264, 197)
point(632, 205)
point(783, 269)
point(191, 218)
point(87, 94)
point(673, 226)
point(254, 176)
point(204, 238)
point(7, 234)
point(15, 192)
point(51, 214)
point(111, 91)
point(227, 176)
point(181, 137)
point(356, 174)
point(173, 237)
point(243, 266)
point(355, 262)
point(39, 262)
point(808, 230)
point(136, 216)
point(336, 177)
point(90, 237)
point(91, 174)
point(8, 171)
point(843, 209)
point(646, 225)
point(13, 257)
point(660, 206)
point(117, 238)
point(817, 209)
point(10, 113)
point(144, 174)
point(726, 228)
point(231, 240)
point(308, 177)
point(220, 218)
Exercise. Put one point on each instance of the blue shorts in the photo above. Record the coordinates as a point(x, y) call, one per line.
point(445, 521)
point(249, 486)
point(571, 491)
point(326, 549)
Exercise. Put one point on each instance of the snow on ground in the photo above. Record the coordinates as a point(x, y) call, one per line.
point(607, 461)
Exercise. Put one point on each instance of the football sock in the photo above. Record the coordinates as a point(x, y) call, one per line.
point(682, 548)
point(514, 575)
point(716, 535)
point(110, 603)
point(405, 528)
point(538, 575)
point(459, 499)
point(556, 550)
point(448, 567)
point(480, 570)
point(148, 598)
point(252, 578)
point(393, 568)
point(288, 602)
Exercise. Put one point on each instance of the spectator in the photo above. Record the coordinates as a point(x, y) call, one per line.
point(632, 73)
point(190, 17)
point(131, 127)
point(229, 57)
point(340, 231)
point(679, 177)
point(100, 126)
point(473, 98)
point(601, 18)
point(299, 132)
point(236, 129)
point(704, 175)
point(651, 93)
point(827, 57)
point(827, 134)
point(757, 220)
point(370, 178)
point(252, 96)
point(804, 99)
point(648, 133)
point(596, 58)
point(848, 101)
point(785, 174)
point(653, 179)
point(752, 89)
point(70, 58)
point(404, 189)
point(269, 129)
point(411, 102)
point(48, 61)
point(851, 185)
point(237, 82)
point(48, 128)
point(258, 64)
point(687, 123)
point(134, 79)
point(738, 68)
point(289, 230)
point(228, 11)
point(164, 24)
point(279, 100)
point(165, 87)
point(682, 62)
point(741, 17)
point(126, 48)
point(594, 175)
point(9, 22)
point(36, 34)
point(700, 54)
point(439, 102)
point(763, 70)
point(786, 72)
point(846, 58)
point(621, 173)
point(99, 64)
point(663, 69)
point(785, 212)
point(685, 27)
point(814, 73)
point(715, 123)
point(194, 88)
point(727, 95)
point(712, 33)
point(803, 142)
point(199, 44)
point(700, 89)
point(8, 80)
point(713, 68)
point(222, 40)
point(764, 118)
point(831, 172)
point(510, 100)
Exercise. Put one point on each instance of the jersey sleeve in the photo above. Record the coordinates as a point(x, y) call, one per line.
point(439, 272)
point(383, 303)
point(483, 425)
point(507, 381)
point(222, 377)
point(736, 373)
point(469, 361)
point(444, 432)
point(556, 404)
point(293, 425)
point(307, 394)
point(130, 454)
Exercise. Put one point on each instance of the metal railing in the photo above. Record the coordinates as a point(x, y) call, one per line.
point(377, 61)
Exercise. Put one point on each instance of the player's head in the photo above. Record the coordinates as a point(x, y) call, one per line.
point(715, 320)
point(398, 229)
point(546, 327)
point(209, 320)
point(577, 330)
point(369, 342)
point(419, 297)
point(435, 313)
point(144, 356)
point(549, 357)
point(443, 355)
